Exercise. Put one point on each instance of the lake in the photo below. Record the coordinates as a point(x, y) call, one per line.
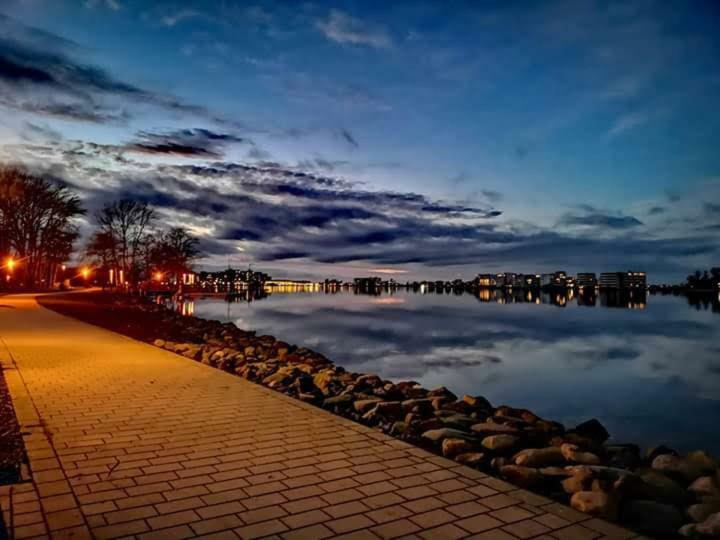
point(649, 368)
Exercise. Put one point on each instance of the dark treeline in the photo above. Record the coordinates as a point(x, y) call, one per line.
point(40, 226)
point(704, 281)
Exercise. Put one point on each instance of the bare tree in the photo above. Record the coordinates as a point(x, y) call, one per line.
point(174, 252)
point(36, 224)
point(124, 236)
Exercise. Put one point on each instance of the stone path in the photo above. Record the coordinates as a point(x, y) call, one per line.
point(127, 440)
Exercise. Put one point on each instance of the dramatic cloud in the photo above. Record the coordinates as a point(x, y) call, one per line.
point(600, 220)
point(201, 143)
point(40, 78)
point(342, 28)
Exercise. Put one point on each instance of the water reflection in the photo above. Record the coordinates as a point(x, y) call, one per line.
point(649, 368)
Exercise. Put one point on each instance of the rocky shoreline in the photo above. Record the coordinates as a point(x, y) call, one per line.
point(659, 492)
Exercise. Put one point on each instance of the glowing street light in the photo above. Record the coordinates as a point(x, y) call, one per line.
point(85, 272)
point(158, 276)
point(10, 264)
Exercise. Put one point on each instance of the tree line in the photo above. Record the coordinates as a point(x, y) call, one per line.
point(40, 227)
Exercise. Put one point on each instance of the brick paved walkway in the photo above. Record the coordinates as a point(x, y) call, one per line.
point(127, 440)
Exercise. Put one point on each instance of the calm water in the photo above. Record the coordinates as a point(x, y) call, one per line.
point(651, 375)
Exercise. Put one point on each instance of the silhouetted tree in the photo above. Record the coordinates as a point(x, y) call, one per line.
point(36, 224)
point(174, 252)
point(123, 238)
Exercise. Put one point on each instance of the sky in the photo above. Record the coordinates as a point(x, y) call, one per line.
point(408, 139)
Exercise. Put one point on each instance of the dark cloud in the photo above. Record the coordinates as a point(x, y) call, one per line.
point(348, 138)
point(201, 143)
point(37, 75)
point(601, 221)
point(656, 210)
point(712, 208)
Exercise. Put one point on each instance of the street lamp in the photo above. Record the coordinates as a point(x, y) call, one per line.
point(10, 264)
point(158, 276)
point(85, 272)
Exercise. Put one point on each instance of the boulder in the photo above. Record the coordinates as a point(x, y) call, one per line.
point(579, 481)
point(159, 343)
point(573, 454)
point(705, 486)
point(525, 477)
point(364, 405)
point(651, 517)
point(711, 526)
point(437, 435)
point(595, 503)
point(593, 430)
point(701, 511)
point(341, 400)
point(539, 457)
point(472, 459)
point(451, 447)
point(398, 428)
point(491, 428)
point(500, 443)
point(676, 466)
point(477, 402)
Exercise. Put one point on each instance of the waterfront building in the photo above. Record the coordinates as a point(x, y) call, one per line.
point(556, 279)
point(623, 280)
point(587, 280)
point(368, 284)
point(486, 280)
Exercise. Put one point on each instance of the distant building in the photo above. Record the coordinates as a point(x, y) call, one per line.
point(556, 279)
point(368, 284)
point(587, 280)
point(623, 280)
point(531, 281)
point(486, 280)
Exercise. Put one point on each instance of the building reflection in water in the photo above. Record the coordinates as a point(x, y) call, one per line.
point(634, 300)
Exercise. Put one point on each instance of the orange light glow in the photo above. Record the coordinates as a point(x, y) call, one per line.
point(10, 265)
point(158, 276)
point(85, 272)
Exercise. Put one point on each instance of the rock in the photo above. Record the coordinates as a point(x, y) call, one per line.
point(659, 450)
point(651, 517)
point(572, 453)
point(472, 459)
point(159, 343)
point(711, 526)
point(592, 429)
point(525, 477)
point(420, 406)
point(491, 428)
point(452, 447)
point(342, 399)
point(579, 481)
point(364, 405)
point(398, 428)
point(677, 467)
point(500, 443)
point(323, 380)
point(437, 435)
point(388, 409)
point(701, 511)
point(539, 457)
point(595, 503)
point(477, 402)
point(442, 392)
point(702, 462)
point(705, 486)
point(624, 456)
point(687, 530)
point(458, 421)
